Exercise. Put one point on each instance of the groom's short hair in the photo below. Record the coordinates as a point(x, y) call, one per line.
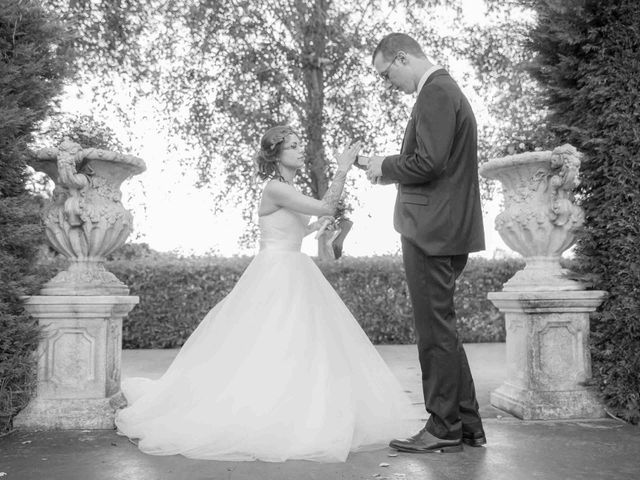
point(393, 43)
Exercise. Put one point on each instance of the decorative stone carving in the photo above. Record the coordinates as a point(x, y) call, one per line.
point(548, 360)
point(546, 314)
point(540, 219)
point(78, 361)
point(81, 309)
point(86, 220)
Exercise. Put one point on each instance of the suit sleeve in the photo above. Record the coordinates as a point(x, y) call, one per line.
point(435, 123)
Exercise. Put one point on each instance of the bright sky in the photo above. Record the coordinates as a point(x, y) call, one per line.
point(170, 214)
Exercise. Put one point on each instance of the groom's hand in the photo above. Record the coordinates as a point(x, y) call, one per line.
point(362, 162)
point(374, 168)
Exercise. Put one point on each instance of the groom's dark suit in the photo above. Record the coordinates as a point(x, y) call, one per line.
point(438, 214)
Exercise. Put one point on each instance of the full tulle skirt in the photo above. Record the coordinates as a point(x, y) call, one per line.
point(278, 370)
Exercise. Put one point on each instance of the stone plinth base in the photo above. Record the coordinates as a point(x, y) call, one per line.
point(555, 405)
point(548, 359)
point(85, 277)
point(68, 414)
point(78, 361)
point(541, 274)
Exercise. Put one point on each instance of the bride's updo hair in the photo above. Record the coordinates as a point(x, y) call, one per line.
point(266, 158)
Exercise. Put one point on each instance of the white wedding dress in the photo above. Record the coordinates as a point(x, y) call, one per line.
point(278, 370)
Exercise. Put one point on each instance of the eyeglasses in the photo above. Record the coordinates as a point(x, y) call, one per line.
point(385, 73)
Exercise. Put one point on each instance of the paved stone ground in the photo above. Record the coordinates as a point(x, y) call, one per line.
point(602, 449)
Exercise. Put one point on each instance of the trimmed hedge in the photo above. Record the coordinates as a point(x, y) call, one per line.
point(175, 294)
point(34, 62)
point(376, 293)
point(20, 233)
point(588, 63)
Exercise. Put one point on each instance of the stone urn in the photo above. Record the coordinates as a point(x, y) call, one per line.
point(86, 220)
point(546, 314)
point(81, 309)
point(540, 219)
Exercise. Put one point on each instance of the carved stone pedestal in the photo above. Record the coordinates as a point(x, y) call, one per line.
point(548, 359)
point(78, 361)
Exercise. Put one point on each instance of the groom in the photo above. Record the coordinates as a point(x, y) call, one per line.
point(438, 214)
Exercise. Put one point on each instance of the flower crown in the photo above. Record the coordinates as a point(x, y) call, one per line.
point(276, 141)
point(279, 136)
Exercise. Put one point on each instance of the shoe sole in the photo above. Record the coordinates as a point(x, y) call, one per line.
point(443, 449)
point(475, 442)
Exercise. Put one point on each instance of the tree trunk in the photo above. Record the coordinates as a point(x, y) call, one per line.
point(313, 67)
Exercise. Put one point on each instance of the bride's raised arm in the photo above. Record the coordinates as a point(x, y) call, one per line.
point(284, 195)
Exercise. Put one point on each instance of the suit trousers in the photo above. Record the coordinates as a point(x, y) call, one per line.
point(447, 384)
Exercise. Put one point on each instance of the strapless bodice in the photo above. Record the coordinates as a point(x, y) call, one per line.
point(282, 230)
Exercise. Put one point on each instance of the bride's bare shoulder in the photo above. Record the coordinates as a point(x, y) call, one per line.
point(269, 198)
point(275, 189)
point(270, 185)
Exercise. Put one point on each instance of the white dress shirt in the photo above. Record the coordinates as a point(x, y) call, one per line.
point(426, 75)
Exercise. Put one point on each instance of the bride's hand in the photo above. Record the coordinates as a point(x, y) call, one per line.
point(328, 220)
point(324, 224)
point(346, 159)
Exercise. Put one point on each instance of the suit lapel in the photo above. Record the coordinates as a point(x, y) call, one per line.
point(407, 130)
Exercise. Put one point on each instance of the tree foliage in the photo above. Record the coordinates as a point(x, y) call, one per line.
point(224, 71)
point(83, 129)
point(34, 59)
point(588, 63)
point(497, 50)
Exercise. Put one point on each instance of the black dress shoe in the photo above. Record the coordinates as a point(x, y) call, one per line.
point(474, 438)
point(424, 442)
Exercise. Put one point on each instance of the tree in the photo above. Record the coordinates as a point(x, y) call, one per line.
point(587, 62)
point(82, 129)
point(35, 58)
point(225, 71)
point(497, 50)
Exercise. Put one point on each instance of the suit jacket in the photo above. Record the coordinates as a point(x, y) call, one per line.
point(438, 203)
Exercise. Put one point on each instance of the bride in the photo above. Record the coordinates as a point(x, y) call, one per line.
point(279, 369)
